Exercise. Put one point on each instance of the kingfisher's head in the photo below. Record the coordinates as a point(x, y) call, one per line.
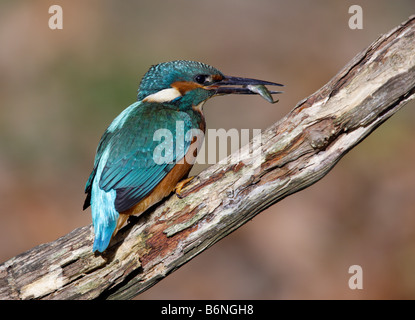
point(191, 82)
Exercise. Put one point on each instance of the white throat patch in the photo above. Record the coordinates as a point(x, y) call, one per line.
point(164, 95)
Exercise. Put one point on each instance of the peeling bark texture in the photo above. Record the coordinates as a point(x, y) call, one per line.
point(291, 155)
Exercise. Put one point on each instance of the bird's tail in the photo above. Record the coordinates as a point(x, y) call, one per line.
point(103, 234)
point(104, 217)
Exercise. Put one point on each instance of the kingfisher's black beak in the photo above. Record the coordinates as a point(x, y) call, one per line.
point(237, 85)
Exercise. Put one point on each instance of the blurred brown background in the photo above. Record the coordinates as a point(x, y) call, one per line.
point(60, 89)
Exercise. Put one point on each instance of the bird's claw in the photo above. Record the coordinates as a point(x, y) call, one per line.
point(180, 186)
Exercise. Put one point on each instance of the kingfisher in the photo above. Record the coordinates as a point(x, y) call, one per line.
point(148, 150)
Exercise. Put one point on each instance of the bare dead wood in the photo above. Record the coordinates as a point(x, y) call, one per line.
point(295, 153)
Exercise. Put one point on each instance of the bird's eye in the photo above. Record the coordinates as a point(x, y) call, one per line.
point(200, 78)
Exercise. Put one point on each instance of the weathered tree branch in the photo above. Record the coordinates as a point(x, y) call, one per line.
point(295, 153)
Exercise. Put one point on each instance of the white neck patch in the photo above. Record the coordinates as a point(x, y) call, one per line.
point(164, 95)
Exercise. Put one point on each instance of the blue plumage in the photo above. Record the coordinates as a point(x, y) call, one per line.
point(125, 169)
point(149, 139)
point(104, 214)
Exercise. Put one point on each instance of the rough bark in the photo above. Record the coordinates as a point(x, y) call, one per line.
point(291, 155)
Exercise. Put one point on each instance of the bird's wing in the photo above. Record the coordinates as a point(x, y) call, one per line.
point(139, 157)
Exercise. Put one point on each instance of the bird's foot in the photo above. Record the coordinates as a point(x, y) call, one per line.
point(181, 185)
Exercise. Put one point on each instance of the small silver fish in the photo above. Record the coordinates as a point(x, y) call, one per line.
point(262, 91)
